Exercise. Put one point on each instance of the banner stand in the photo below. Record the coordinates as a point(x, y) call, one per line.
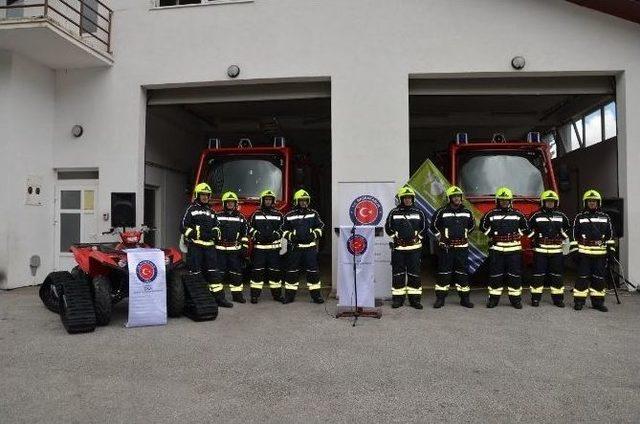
point(354, 310)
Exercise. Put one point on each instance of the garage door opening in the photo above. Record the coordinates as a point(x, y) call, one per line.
point(575, 116)
point(282, 133)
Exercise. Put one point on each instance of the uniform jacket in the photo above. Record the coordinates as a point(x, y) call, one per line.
point(302, 227)
point(592, 232)
point(405, 224)
point(233, 230)
point(453, 224)
point(265, 227)
point(548, 229)
point(504, 227)
point(200, 224)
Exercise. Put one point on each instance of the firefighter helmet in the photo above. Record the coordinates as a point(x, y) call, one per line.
point(591, 195)
point(202, 188)
point(301, 195)
point(504, 193)
point(267, 193)
point(405, 191)
point(454, 191)
point(229, 196)
point(549, 195)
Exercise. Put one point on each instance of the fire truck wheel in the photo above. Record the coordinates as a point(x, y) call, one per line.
point(175, 294)
point(102, 299)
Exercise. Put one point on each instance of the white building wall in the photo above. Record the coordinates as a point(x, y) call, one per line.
point(27, 99)
point(368, 48)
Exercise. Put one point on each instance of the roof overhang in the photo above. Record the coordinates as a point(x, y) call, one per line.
point(625, 9)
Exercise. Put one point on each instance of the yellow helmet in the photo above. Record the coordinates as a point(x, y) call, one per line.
point(267, 193)
point(229, 196)
point(301, 195)
point(454, 191)
point(549, 195)
point(591, 195)
point(405, 191)
point(202, 188)
point(504, 193)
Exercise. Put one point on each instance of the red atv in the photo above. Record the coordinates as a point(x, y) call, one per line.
point(103, 266)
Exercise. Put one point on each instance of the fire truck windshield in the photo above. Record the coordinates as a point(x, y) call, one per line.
point(245, 176)
point(482, 174)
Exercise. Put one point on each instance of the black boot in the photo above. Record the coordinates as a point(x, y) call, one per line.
point(464, 300)
point(289, 296)
point(558, 300)
point(578, 304)
point(597, 303)
point(238, 297)
point(316, 296)
point(255, 295)
point(440, 297)
point(277, 294)
point(493, 301)
point(397, 301)
point(535, 299)
point(222, 301)
point(414, 301)
point(516, 301)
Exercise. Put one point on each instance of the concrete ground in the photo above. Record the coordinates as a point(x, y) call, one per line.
point(275, 363)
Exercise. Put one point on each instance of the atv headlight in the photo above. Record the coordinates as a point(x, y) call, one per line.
point(122, 263)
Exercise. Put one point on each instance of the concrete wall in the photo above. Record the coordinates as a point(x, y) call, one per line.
point(27, 99)
point(367, 47)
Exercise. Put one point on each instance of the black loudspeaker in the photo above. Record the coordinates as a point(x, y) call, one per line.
point(123, 210)
point(614, 207)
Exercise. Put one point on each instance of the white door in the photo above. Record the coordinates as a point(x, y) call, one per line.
point(76, 219)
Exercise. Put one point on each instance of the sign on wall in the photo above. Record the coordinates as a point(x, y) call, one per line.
point(367, 204)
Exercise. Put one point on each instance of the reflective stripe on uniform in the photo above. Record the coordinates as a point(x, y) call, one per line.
point(463, 289)
point(318, 231)
point(203, 243)
point(235, 288)
point(557, 290)
point(256, 284)
point(214, 288)
point(442, 288)
point(580, 293)
point(398, 292)
point(506, 249)
point(536, 290)
point(596, 293)
point(313, 243)
point(495, 291)
point(275, 284)
point(268, 246)
point(316, 286)
point(412, 247)
point(414, 290)
point(515, 291)
point(549, 251)
point(291, 286)
point(228, 247)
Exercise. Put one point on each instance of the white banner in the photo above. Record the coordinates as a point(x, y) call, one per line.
point(369, 203)
point(358, 244)
point(147, 287)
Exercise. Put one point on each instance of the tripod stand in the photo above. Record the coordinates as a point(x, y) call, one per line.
point(615, 276)
point(356, 311)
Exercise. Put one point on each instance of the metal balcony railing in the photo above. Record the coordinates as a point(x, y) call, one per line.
point(88, 20)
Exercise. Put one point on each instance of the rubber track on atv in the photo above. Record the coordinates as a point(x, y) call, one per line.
point(50, 289)
point(76, 307)
point(200, 304)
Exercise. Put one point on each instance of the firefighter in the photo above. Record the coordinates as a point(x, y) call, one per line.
point(452, 225)
point(593, 235)
point(232, 245)
point(405, 225)
point(302, 228)
point(548, 229)
point(505, 227)
point(200, 228)
point(264, 229)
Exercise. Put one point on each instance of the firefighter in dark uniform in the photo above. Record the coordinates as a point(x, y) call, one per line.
point(549, 228)
point(505, 227)
point(302, 228)
point(593, 235)
point(232, 246)
point(452, 225)
point(200, 228)
point(264, 230)
point(405, 225)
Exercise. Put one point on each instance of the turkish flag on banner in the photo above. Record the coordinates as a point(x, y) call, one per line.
point(358, 245)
